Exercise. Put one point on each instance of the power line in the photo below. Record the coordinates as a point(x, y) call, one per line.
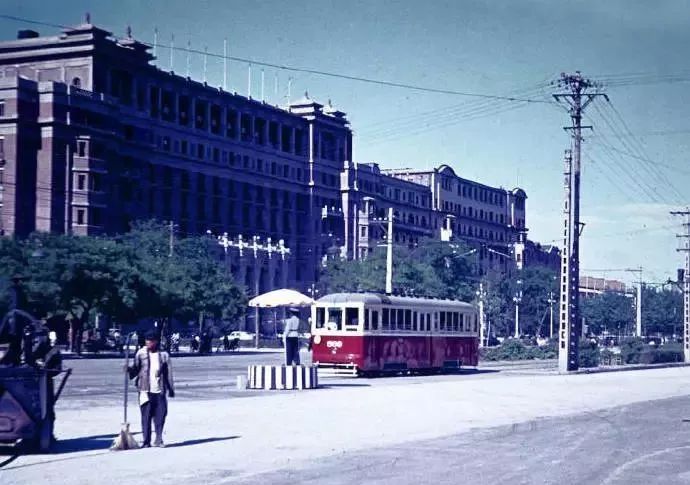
point(318, 72)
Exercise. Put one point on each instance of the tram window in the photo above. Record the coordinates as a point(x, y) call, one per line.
point(351, 318)
point(335, 319)
point(463, 325)
point(401, 319)
point(408, 319)
point(384, 319)
point(428, 322)
point(455, 321)
point(443, 321)
point(414, 321)
point(366, 319)
point(475, 323)
point(394, 319)
point(320, 317)
point(374, 320)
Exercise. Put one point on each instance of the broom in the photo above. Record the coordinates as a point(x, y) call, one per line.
point(125, 440)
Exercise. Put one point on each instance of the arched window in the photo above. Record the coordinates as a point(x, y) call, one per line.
point(76, 82)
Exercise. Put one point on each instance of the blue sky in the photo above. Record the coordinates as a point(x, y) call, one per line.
point(493, 47)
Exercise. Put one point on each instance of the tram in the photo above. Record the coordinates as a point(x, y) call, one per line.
point(370, 333)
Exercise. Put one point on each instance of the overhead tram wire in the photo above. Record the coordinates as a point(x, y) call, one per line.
point(645, 168)
point(317, 72)
point(421, 117)
point(618, 161)
point(611, 180)
point(642, 152)
point(632, 155)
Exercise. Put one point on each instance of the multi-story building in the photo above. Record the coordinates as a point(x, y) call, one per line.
point(490, 219)
point(94, 136)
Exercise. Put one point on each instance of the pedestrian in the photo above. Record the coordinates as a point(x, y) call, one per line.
point(291, 337)
point(226, 343)
point(154, 379)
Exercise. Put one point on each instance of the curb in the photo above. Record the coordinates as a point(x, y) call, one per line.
point(627, 368)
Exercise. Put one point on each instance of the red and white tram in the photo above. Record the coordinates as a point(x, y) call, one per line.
point(366, 333)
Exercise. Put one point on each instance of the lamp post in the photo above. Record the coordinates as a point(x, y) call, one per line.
point(517, 299)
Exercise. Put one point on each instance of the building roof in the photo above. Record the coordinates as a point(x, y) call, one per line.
point(381, 299)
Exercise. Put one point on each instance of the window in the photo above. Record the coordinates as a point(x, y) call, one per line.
point(443, 321)
point(363, 231)
point(351, 319)
point(200, 151)
point(455, 322)
point(414, 321)
point(408, 319)
point(81, 148)
point(401, 319)
point(394, 319)
point(184, 147)
point(366, 319)
point(81, 216)
point(335, 319)
point(216, 155)
point(2, 107)
point(385, 322)
point(81, 181)
point(374, 320)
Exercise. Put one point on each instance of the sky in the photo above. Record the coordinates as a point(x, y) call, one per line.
point(634, 166)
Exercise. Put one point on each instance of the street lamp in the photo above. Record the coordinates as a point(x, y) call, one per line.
point(517, 299)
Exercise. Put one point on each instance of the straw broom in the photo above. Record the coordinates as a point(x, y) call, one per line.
point(125, 440)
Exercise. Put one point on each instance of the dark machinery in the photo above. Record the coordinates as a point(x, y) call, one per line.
point(29, 366)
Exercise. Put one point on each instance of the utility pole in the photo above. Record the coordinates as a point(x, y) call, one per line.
point(685, 248)
point(577, 97)
point(638, 302)
point(389, 253)
point(517, 299)
point(551, 301)
point(482, 318)
point(171, 225)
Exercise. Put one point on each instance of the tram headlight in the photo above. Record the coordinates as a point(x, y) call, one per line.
point(317, 339)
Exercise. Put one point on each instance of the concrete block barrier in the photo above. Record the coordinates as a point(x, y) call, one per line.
point(277, 377)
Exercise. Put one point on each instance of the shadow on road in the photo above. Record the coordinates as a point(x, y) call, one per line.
point(348, 384)
point(84, 443)
point(200, 441)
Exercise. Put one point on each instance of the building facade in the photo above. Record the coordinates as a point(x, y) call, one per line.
point(94, 136)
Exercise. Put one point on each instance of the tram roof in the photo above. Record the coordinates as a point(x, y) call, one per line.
point(379, 299)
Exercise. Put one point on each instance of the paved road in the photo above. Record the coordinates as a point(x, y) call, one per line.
point(646, 443)
point(100, 381)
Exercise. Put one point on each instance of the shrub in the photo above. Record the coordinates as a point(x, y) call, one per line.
point(512, 349)
point(589, 354)
point(632, 349)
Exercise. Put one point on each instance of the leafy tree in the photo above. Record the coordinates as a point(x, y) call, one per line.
point(611, 312)
point(662, 311)
point(432, 269)
point(535, 283)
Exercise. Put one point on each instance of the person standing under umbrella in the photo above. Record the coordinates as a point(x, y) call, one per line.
point(291, 337)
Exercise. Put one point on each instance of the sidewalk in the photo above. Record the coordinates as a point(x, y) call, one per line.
point(216, 441)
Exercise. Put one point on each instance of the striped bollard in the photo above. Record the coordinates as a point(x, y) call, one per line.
point(272, 377)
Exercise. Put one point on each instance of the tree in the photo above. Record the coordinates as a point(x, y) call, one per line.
point(611, 312)
point(536, 284)
point(431, 269)
point(662, 311)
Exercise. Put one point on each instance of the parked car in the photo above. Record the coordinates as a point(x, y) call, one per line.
point(242, 336)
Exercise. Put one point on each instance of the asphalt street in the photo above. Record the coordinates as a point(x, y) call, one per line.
point(100, 381)
point(646, 443)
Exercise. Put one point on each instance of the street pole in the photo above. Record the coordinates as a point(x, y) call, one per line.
point(389, 253)
point(639, 307)
point(551, 302)
point(685, 248)
point(482, 318)
point(172, 238)
point(577, 97)
point(517, 299)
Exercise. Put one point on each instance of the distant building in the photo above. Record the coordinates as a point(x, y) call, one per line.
point(590, 286)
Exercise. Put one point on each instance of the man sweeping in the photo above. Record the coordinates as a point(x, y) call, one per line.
point(154, 379)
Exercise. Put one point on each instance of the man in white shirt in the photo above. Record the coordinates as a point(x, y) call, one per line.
point(291, 337)
point(154, 379)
